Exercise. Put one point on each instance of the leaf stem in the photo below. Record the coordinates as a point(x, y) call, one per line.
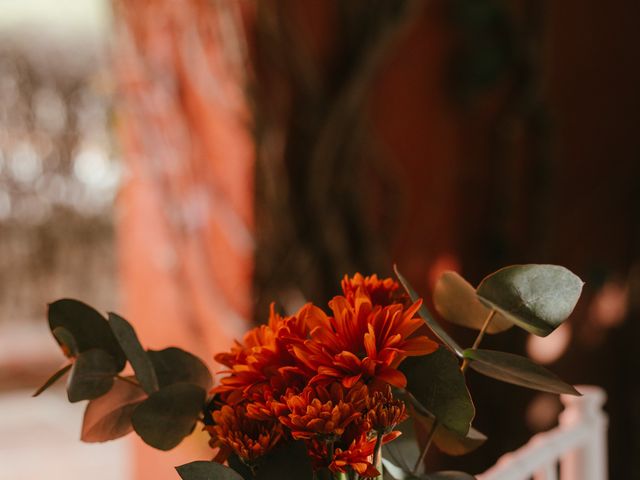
point(423, 454)
point(476, 344)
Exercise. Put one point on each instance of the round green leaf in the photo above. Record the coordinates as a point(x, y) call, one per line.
point(431, 322)
point(140, 361)
point(456, 301)
point(109, 416)
point(168, 415)
point(517, 370)
point(404, 451)
point(438, 385)
point(91, 375)
point(202, 470)
point(53, 379)
point(445, 439)
point(174, 365)
point(537, 298)
point(88, 328)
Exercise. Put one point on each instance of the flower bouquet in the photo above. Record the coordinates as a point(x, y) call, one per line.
point(360, 390)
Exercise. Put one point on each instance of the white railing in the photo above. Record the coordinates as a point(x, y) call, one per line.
point(575, 450)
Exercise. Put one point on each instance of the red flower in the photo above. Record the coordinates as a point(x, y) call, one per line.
point(384, 412)
point(262, 360)
point(358, 456)
point(323, 412)
point(362, 341)
point(248, 438)
point(381, 291)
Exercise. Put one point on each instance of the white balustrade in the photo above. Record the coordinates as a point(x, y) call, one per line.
point(577, 448)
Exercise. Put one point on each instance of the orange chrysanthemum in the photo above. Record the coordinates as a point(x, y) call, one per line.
point(362, 341)
point(358, 456)
point(263, 360)
point(323, 412)
point(384, 412)
point(249, 439)
point(381, 291)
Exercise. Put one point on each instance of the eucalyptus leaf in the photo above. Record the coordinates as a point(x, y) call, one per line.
point(404, 451)
point(456, 301)
point(87, 326)
point(140, 361)
point(168, 415)
point(445, 439)
point(203, 470)
point(436, 382)
point(53, 379)
point(91, 375)
point(517, 370)
point(109, 416)
point(435, 327)
point(174, 365)
point(537, 298)
point(287, 460)
point(416, 430)
point(66, 341)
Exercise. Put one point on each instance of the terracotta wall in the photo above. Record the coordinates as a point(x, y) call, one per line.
point(185, 210)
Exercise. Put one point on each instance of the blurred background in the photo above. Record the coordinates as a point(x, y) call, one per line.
point(186, 163)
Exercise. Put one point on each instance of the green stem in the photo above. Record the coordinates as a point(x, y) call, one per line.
point(423, 454)
point(476, 344)
point(377, 455)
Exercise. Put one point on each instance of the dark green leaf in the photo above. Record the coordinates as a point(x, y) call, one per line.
point(456, 301)
point(169, 415)
point(404, 451)
point(438, 385)
point(91, 375)
point(517, 370)
point(445, 439)
point(109, 416)
point(435, 327)
point(392, 471)
point(288, 460)
point(52, 379)
point(537, 298)
point(140, 361)
point(173, 365)
point(202, 470)
point(88, 328)
point(66, 341)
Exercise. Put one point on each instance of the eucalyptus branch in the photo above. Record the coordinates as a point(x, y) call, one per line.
point(476, 343)
point(423, 454)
